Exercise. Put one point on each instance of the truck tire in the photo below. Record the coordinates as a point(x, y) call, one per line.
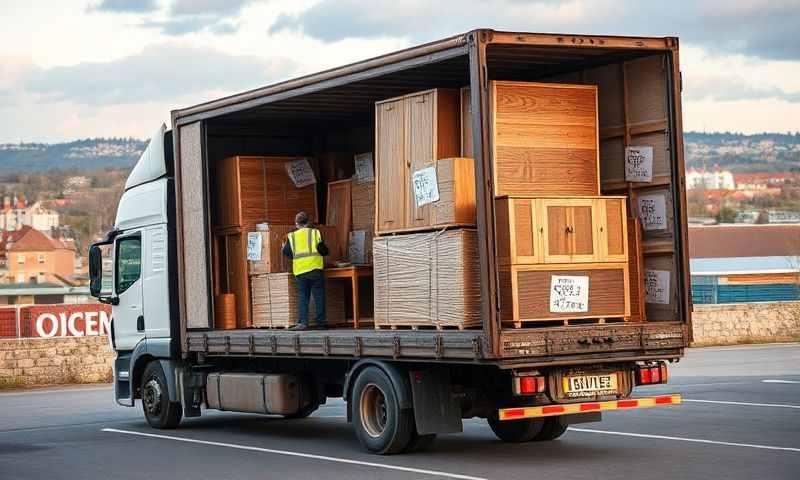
point(381, 425)
point(516, 431)
point(158, 410)
point(551, 430)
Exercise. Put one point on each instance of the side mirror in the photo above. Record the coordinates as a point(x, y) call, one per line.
point(95, 271)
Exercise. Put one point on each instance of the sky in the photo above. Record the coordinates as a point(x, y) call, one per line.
point(75, 69)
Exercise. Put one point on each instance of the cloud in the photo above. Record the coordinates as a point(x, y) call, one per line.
point(202, 7)
point(160, 72)
point(193, 16)
point(760, 28)
point(730, 88)
point(124, 6)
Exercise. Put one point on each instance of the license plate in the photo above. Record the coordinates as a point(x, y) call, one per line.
point(584, 385)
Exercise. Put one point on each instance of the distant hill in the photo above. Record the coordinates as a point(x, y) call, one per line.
point(766, 152)
point(88, 154)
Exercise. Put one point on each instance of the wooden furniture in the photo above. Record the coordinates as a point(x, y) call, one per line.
point(230, 272)
point(339, 210)
point(427, 280)
point(225, 311)
point(540, 230)
point(636, 270)
point(275, 301)
point(354, 274)
point(363, 214)
point(525, 292)
point(410, 133)
point(544, 139)
point(252, 190)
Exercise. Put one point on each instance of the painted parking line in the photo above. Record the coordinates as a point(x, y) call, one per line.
point(781, 381)
point(684, 439)
point(296, 454)
point(749, 404)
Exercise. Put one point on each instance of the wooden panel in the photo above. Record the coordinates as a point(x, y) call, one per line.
point(658, 312)
point(518, 236)
point(607, 291)
point(420, 138)
point(390, 165)
point(558, 243)
point(544, 138)
point(636, 270)
point(608, 79)
point(613, 229)
point(466, 123)
point(252, 192)
point(196, 308)
point(363, 217)
point(339, 210)
point(448, 123)
point(523, 226)
point(284, 200)
point(456, 183)
point(582, 227)
point(647, 97)
point(232, 248)
point(226, 179)
point(272, 259)
point(545, 171)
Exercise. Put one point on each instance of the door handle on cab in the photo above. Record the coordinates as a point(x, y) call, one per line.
point(140, 323)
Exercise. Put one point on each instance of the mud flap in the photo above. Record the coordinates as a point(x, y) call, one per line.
point(436, 410)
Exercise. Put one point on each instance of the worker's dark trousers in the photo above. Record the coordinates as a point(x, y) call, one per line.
point(309, 283)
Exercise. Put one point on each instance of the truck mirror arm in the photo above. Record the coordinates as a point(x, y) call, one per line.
point(108, 300)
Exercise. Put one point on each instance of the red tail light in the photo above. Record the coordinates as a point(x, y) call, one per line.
point(651, 374)
point(529, 385)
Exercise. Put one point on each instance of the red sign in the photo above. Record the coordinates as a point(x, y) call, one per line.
point(48, 321)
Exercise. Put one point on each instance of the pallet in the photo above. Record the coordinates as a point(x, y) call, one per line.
point(565, 322)
point(430, 228)
point(423, 327)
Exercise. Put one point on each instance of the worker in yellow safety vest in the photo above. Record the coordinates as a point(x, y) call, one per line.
point(306, 249)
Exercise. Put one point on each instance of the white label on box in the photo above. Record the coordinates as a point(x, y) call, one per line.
point(355, 247)
point(639, 164)
point(365, 172)
point(656, 286)
point(569, 294)
point(653, 212)
point(254, 246)
point(301, 173)
point(426, 189)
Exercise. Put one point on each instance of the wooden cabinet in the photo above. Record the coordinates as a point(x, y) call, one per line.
point(534, 230)
point(411, 133)
point(544, 138)
point(252, 190)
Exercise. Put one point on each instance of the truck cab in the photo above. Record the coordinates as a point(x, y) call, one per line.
point(131, 270)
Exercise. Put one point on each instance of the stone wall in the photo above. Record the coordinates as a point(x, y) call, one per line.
point(727, 324)
point(49, 361)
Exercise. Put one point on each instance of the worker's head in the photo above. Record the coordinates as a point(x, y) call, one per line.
point(301, 219)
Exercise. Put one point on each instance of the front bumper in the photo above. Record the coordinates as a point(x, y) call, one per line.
point(573, 408)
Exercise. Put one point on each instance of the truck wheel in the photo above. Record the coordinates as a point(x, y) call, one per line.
point(158, 410)
point(420, 443)
point(551, 430)
point(516, 431)
point(380, 425)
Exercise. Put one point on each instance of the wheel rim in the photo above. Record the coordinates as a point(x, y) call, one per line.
point(151, 397)
point(373, 410)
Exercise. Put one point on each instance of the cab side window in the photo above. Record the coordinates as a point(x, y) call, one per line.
point(129, 263)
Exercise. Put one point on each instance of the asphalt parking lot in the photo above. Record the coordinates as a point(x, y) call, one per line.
point(740, 419)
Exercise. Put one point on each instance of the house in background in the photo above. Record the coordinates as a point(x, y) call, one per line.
point(30, 256)
point(736, 263)
point(716, 179)
point(16, 213)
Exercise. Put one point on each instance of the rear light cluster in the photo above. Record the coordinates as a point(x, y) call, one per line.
point(651, 374)
point(529, 385)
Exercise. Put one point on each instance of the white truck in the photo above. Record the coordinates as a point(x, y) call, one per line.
point(402, 387)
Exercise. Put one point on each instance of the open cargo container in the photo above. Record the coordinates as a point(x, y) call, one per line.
point(639, 86)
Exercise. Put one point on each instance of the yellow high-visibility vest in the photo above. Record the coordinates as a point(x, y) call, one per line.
point(305, 256)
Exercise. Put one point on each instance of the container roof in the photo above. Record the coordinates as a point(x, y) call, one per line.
point(744, 240)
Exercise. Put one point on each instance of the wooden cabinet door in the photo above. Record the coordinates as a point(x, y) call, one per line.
point(420, 151)
point(613, 230)
point(556, 235)
point(583, 239)
point(391, 169)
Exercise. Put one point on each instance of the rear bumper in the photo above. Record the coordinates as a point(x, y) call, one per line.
point(573, 408)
